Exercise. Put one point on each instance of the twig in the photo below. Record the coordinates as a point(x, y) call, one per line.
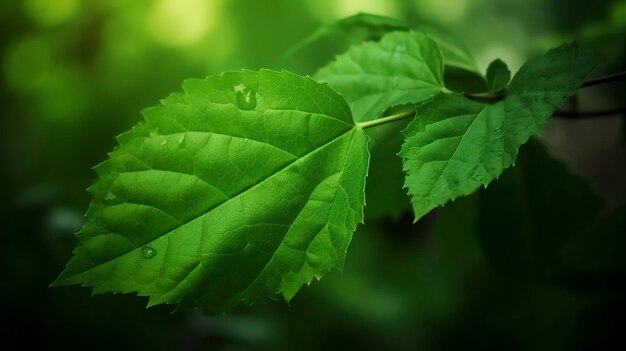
point(604, 79)
point(589, 114)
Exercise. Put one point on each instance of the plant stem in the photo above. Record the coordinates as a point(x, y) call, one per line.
point(604, 79)
point(602, 113)
point(495, 97)
point(486, 98)
point(385, 120)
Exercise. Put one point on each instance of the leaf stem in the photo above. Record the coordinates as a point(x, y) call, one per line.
point(497, 96)
point(384, 120)
point(486, 98)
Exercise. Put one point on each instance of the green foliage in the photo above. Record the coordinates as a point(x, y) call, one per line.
point(498, 76)
point(457, 145)
point(252, 183)
point(404, 67)
point(245, 183)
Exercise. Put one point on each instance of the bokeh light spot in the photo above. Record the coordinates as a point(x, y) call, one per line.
point(346, 8)
point(27, 64)
point(618, 13)
point(65, 96)
point(181, 22)
point(51, 12)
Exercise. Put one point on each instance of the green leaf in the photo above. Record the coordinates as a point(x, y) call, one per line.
point(246, 183)
point(498, 75)
point(404, 67)
point(456, 145)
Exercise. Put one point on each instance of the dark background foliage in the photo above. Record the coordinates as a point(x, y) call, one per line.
point(535, 261)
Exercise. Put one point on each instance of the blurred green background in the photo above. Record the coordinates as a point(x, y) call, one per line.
point(534, 262)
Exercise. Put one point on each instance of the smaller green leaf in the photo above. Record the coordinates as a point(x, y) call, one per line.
point(404, 67)
point(498, 75)
point(456, 145)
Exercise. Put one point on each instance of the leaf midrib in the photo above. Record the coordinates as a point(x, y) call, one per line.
point(353, 128)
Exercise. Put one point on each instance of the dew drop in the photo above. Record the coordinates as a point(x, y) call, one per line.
point(110, 196)
point(148, 252)
point(477, 177)
point(181, 141)
point(399, 50)
point(246, 98)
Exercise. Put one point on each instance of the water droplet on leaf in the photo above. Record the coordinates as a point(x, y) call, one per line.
point(181, 141)
point(477, 177)
point(246, 98)
point(399, 50)
point(148, 252)
point(110, 196)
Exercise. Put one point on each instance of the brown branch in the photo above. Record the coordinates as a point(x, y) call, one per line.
point(604, 79)
point(589, 114)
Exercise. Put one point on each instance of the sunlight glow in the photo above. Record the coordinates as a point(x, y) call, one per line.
point(27, 64)
point(50, 13)
point(181, 22)
point(346, 8)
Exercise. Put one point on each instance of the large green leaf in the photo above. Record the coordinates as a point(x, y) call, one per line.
point(456, 145)
point(246, 183)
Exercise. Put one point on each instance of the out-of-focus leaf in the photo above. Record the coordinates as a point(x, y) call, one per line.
point(600, 247)
point(532, 211)
point(354, 29)
point(246, 183)
point(498, 75)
